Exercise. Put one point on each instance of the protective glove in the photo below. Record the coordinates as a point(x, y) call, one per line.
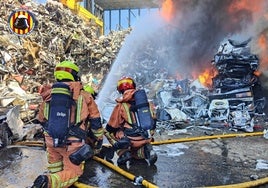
point(123, 143)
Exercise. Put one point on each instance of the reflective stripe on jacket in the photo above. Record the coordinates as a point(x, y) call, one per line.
point(120, 117)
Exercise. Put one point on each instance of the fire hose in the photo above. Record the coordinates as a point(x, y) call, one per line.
point(147, 184)
point(138, 180)
point(253, 183)
point(82, 185)
point(190, 139)
point(245, 184)
point(135, 179)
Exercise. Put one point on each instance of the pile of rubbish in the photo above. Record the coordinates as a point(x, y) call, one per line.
point(237, 85)
point(28, 61)
point(235, 100)
point(59, 35)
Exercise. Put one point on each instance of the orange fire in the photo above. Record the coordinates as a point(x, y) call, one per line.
point(263, 46)
point(167, 10)
point(250, 6)
point(257, 73)
point(245, 5)
point(205, 78)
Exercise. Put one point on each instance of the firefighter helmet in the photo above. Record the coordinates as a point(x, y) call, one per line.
point(89, 89)
point(66, 70)
point(125, 83)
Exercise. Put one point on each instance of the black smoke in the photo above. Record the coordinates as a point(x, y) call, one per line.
point(200, 27)
point(187, 43)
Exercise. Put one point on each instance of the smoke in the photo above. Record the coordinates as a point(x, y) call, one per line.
point(186, 42)
point(203, 25)
point(144, 34)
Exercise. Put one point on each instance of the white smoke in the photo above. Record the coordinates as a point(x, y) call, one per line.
point(186, 44)
point(142, 33)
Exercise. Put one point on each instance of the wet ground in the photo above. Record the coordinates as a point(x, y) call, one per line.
point(203, 163)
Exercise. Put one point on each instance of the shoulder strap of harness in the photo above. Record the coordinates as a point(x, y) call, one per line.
point(79, 104)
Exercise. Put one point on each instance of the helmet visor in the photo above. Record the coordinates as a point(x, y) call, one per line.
point(67, 69)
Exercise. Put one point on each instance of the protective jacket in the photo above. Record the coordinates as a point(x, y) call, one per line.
point(122, 123)
point(63, 173)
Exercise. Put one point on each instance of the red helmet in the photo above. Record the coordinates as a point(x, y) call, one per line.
point(125, 83)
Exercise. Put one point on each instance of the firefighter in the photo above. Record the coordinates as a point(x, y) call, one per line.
point(105, 151)
point(63, 172)
point(91, 135)
point(90, 89)
point(128, 140)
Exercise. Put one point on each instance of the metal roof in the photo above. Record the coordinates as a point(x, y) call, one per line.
point(127, 4)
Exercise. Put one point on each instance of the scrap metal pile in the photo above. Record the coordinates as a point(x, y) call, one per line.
point(28, 61)
point(235, 100)
point(236, 83)
point(59, 35)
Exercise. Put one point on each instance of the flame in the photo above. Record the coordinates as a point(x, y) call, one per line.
point(257, 73)
point(245, 5)
point(167, 10)
point(205, 78)
point(263, 47)
point(238, 6)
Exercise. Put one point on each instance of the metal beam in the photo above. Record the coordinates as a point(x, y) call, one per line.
point(128, 4)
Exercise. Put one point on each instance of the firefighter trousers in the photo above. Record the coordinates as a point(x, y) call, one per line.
point(63, 173)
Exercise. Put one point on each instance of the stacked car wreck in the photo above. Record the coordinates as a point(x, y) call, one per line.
point(237, 88)
point(235, 99)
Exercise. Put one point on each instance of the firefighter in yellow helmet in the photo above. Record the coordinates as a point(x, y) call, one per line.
point(128, 140)
point(90, 90)
point(66, 71)
point(64, 165)
point(91, 134)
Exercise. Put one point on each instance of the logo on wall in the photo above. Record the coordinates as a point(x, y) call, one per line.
point(21, 22)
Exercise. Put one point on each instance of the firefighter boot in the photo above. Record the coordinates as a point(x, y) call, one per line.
point(123, 143)
point(40, 182)
point(107, 153)
point(122, 160)
point(149, 154)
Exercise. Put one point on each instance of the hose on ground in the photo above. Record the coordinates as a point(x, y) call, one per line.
point(136, 179)
point(190, 139)
point(147, 184)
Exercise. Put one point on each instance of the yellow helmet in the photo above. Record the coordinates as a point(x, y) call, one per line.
point(66, 70)
point(89, 89)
